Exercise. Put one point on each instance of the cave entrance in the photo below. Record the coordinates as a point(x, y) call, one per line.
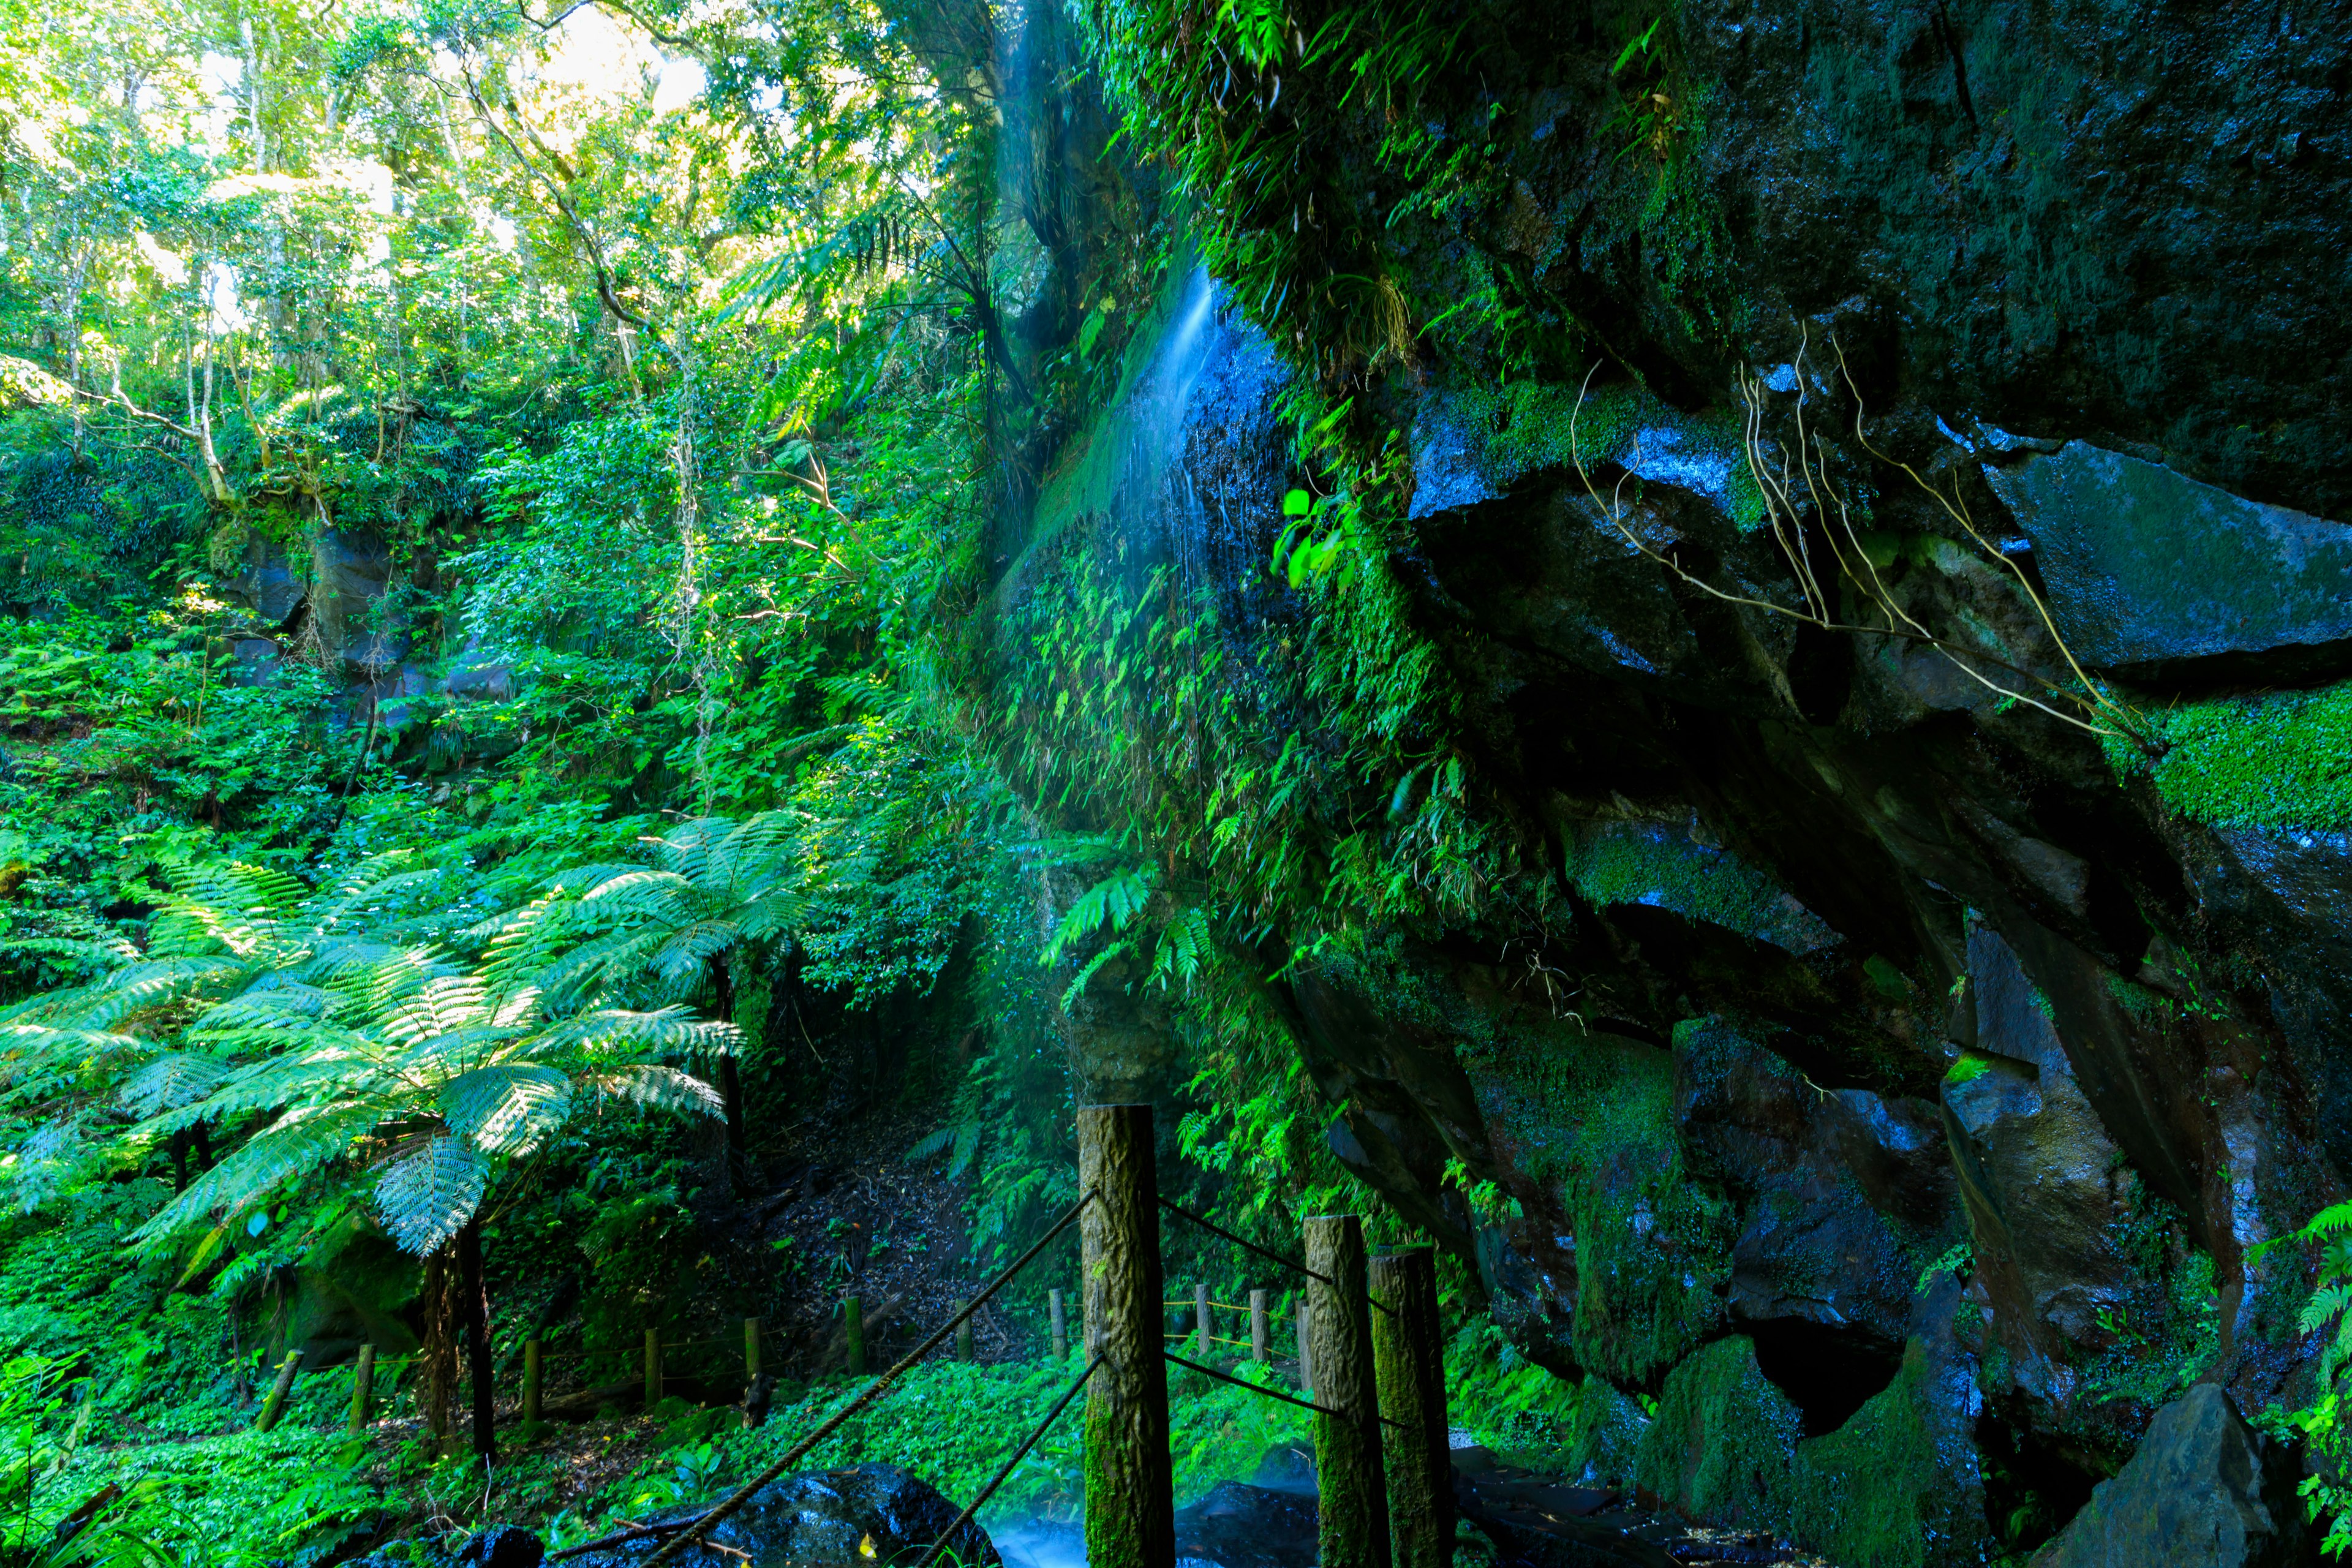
point(1828, 1372)
point(2031, 1488)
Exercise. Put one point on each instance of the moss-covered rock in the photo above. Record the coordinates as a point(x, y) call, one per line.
point(1723, 1444)
point(1898, 1485)
point(1606, 1447)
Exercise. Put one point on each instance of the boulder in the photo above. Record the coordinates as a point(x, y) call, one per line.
point(1243, 1526)
point(2148, 568)
point(502, 1546)
point(864, 1516)
point(2203, 1491)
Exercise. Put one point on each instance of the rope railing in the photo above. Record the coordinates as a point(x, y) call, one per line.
point(1298, 1266)
point(1221, 1306)
point(1271, 1392)
point(949, 1535)
point(671, 1548)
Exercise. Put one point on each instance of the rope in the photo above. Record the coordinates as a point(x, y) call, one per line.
point(1223, 1306)
point(671, 1548)
point(1216, 1229)
point(1277, 1393)
point(1018, 1455)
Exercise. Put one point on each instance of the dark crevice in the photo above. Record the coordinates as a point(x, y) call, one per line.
point(2030, 1488)
point(1827, 1372)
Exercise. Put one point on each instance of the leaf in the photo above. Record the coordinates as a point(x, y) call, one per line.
point(1296, 504)
point(1112, 902)
point(508, 1109)
point(426, 1196)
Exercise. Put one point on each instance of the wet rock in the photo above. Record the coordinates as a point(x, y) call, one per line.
point(2035, 1166)
point(1243, 1526)
point(1844, 1194)
point(2203, 1491)
point(502, 1546)
point(2154, 575)
point(821, 1519)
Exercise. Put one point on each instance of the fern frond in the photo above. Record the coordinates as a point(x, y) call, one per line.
point(1112, 902)
point(294, 1145)
point(508, 1109)
point(668, 1031)
point(660, 1088)
point(169, 1082)
point(425, 1195)
point(2324, 1304)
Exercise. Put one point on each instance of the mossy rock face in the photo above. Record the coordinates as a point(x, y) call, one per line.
point(1724, 1443)
point(1899, 1485)
point(1605, 1447)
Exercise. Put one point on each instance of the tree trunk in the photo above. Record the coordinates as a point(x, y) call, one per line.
point(730, 1079)
point(437, 1355)
point(474, 1305)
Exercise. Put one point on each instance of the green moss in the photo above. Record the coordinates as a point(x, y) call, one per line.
point(1662, 866)
point(1525, 426)
point(1507, 1402)
point(1972, 1066)
point(1604, 1450)
point(1594, 1117)
point(1876, 1492)
point(2280, 761)
point(1724, 1443)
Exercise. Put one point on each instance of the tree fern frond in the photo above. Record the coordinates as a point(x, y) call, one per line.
point(668, 1031)
point(296, 1144)
point(684, 951)
point(508, 1108)
point(170, 1082)
point(661, 1087)
point(425, 1195)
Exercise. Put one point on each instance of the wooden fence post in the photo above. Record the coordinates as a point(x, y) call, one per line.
point(1129, 1483)
point(1261, 1331)
point(276, 1403)
point(1351, 1503)
point(1305, 1347)
point(1060, 1325)
point(362, 1388)
point(531, 1375)
point(750, 1352)
point(964, 1336)
point(1409, 1359)
point(1201, 1337)
point(653, 1369)
point(853, 1329)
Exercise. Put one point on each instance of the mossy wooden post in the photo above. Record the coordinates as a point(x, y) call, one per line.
point(1261, 1328)
point(853, 1332)
point(1409, 1361)
point(363, 1388)
point(1351, 1501)
point(1306, 1349)
point(653, 1368)
point(1202, 1338)
point(964, 1336)
point(1059, 1324)
point(530, 1375)
point(1130, 1504)
point(750, 1352)
point(276, 1403)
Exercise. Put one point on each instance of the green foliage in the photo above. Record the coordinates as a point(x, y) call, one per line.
point(2327, 1433)
point(1507, 1402)
point(2271, 761)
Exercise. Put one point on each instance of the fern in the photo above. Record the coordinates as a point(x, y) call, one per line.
point(1112, 903)
point(427, 1194)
